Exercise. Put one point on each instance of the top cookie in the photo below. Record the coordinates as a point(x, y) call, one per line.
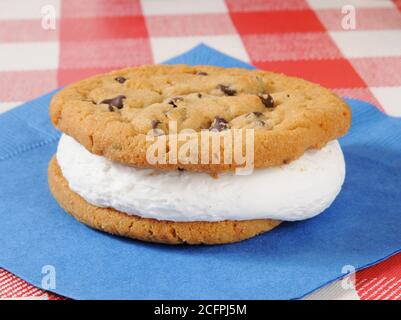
point(112, 114)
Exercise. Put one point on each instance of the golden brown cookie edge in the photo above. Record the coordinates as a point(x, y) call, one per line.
point(150, 230)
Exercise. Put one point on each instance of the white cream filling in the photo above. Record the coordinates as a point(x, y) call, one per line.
point(295, 191)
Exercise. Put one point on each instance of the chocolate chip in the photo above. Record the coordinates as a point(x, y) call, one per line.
point(172, 103)
point(227, 90)
point(115, 102)
point(267, 100)
point(120, 79)
point(180, 169)
point(202, 73)
point(155, 123)
point(258, 114)
point(219, 124)
point(174, 100)
point(199, 95)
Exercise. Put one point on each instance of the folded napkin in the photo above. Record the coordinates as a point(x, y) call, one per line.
point(362, 227)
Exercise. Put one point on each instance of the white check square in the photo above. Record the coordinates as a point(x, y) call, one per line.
point(29, 56)
point(334, 4)
point(160, 7)
point(389, 98)
point(27, 9)
point(164, 48)
point(368, 43)
point(5, 106)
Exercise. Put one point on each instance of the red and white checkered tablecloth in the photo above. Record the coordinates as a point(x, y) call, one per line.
point(313, 39)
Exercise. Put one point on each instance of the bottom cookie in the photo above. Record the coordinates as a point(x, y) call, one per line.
point(169, 232)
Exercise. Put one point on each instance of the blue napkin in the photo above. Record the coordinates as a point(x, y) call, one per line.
point(362, 227)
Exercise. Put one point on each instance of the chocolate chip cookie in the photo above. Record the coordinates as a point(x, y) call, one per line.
point(112, 114)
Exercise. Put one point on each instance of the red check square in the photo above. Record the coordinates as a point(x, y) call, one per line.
point(379, 71)
point(398, 4)
point(364, 94)
point(67, 76)
point(26, 31)
point(100, 8)
point(101, 55)
point(13, 287)
point(263, 5)
point(276, 22)
point(381, 281)
point(366, 19)
point(76, 29)
point(334, 73)
point(290, 46)
point(190, 25)
point(26, 85)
